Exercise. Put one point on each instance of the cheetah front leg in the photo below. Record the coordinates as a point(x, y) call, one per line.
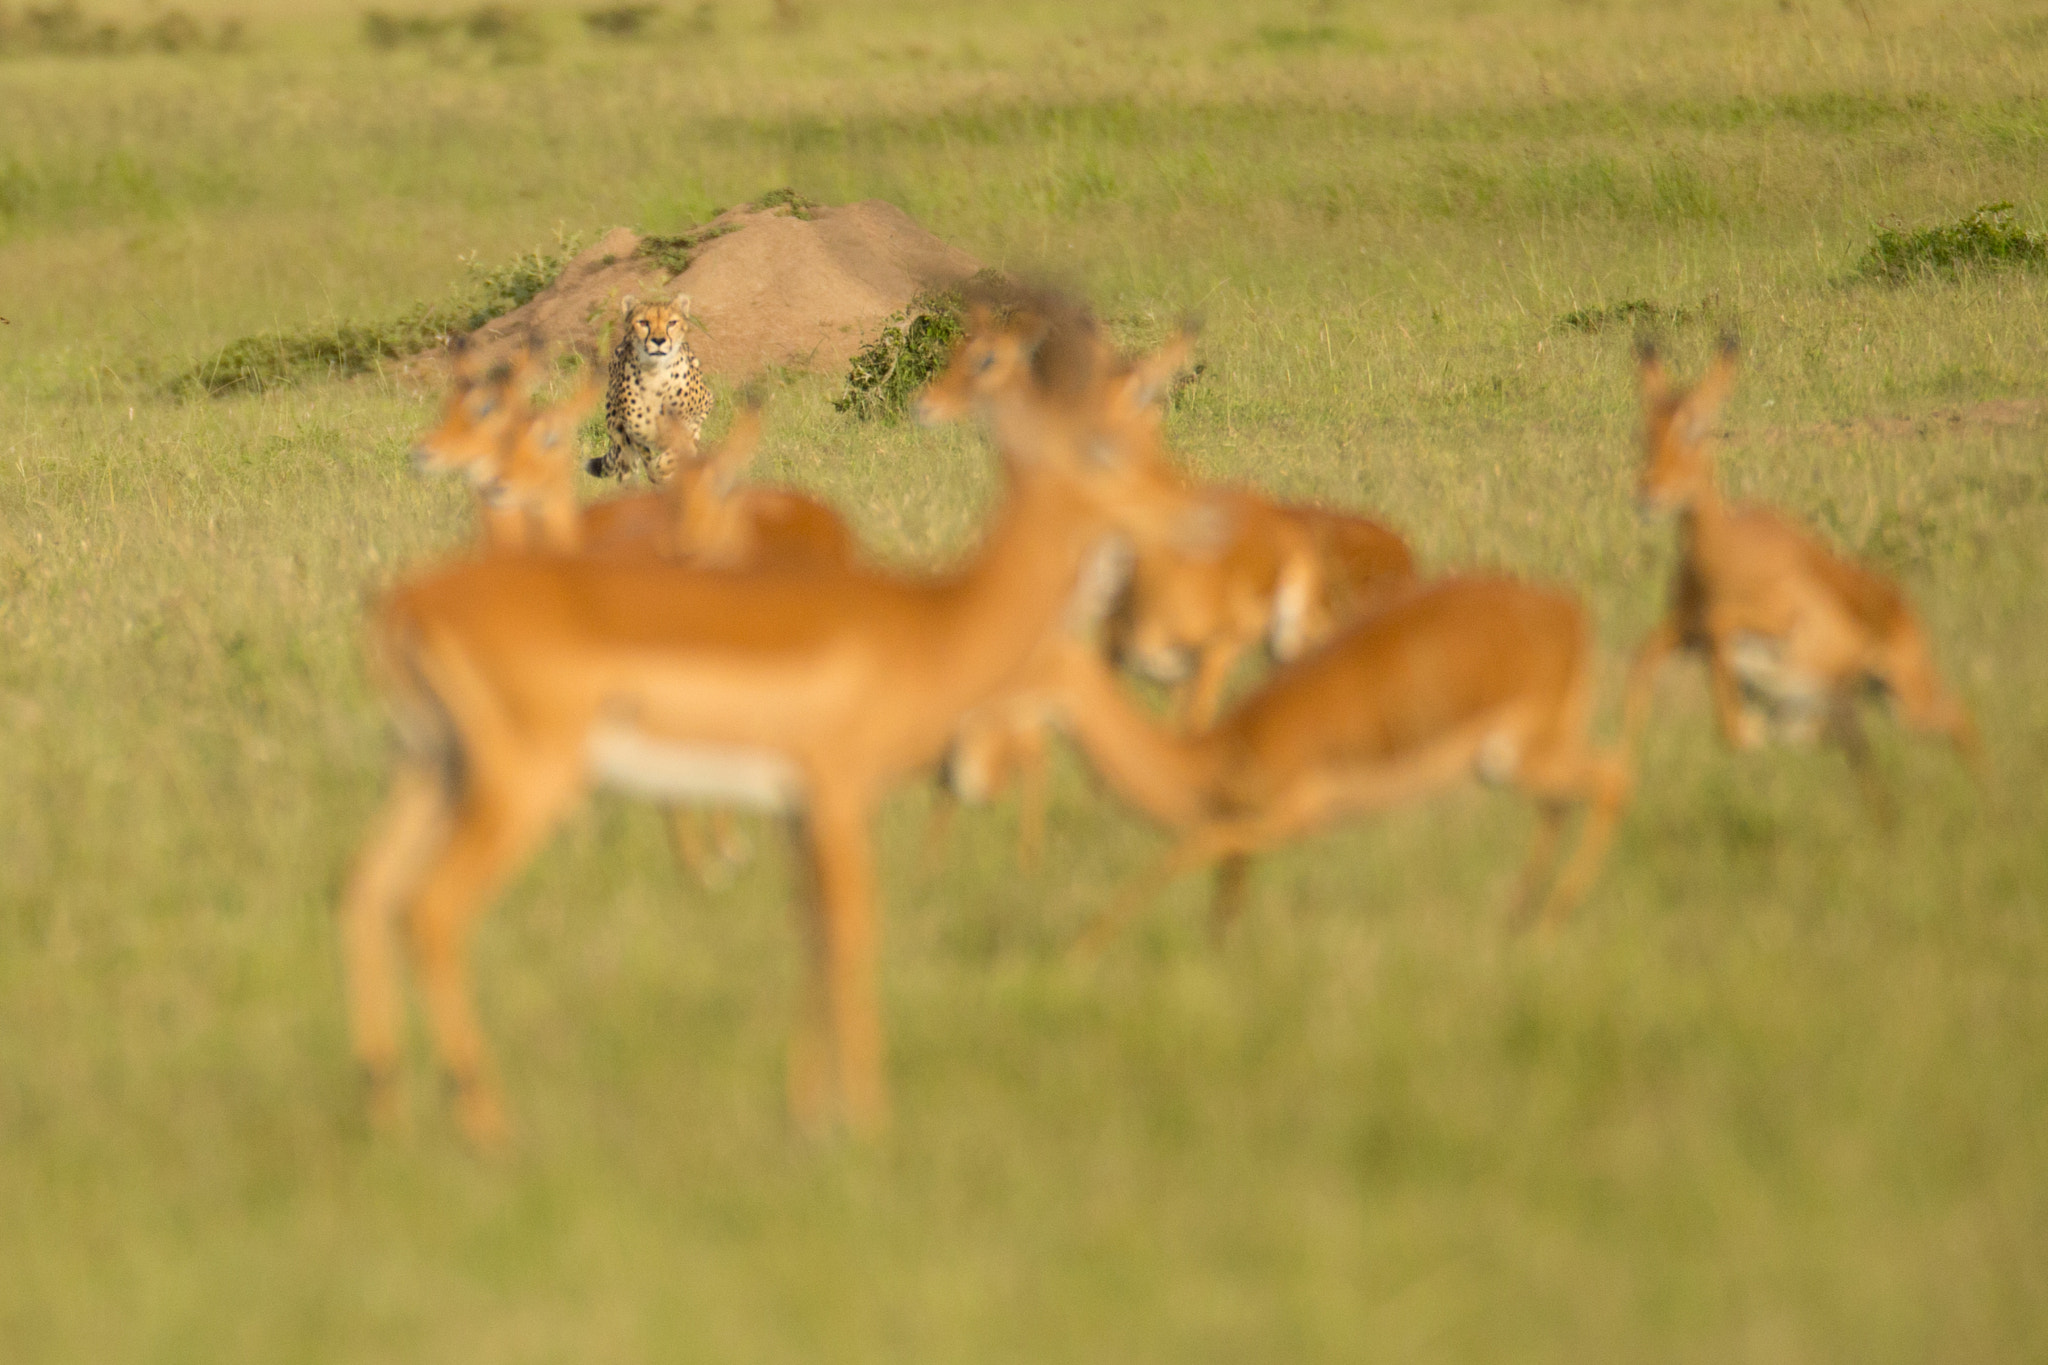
point(614, 463)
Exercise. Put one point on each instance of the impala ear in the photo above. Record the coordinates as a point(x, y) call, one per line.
point(1651, 380)
point(1031, 327)
point(464, 361)
point(1151, 376)
point(587, 391)
point(1703, 404)
point(527, 357)
point(730, 458)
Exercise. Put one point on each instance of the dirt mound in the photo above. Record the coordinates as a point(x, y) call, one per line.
point(768, 286)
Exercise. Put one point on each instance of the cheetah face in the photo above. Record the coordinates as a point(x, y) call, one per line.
point(655, 331)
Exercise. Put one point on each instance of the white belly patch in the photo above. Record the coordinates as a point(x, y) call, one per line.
point(1287, 636)
point(1792, 703)
point(634, 761)
point(1499, 758)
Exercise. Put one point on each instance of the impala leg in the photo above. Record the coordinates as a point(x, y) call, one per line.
point(1741, 727)
point(1925, 704)
point(939, 824)
point(1232, 872)
point(1199, 849)
point(1536, 868)
point(731, 845)
point(1642, 679)
point(414, 821)
point(838, 1054)
point(707, 863)
point(1602, 782)
point(1219, 841)
point(1203, 695)
point(1033, 794)
point(494, 830)
point(686, 841)
point(1845, 728)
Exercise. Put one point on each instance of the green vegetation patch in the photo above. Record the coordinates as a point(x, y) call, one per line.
point(912, 349)
point(621, 21)
point(67, 30)
point(1642, 314)
point(270, 359)
point(674, 254)
point(797, 204)
point(508, 33)
point(1987, 237)
point(1297, 38)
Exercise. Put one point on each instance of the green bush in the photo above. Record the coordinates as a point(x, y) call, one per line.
point(620, 21)
point(912, 349)
point(508, 32)
point(1987, 237)
point(798, 205)
point(66, 30)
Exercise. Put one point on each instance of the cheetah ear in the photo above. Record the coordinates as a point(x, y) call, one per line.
point(682, 304)
point(627, 305)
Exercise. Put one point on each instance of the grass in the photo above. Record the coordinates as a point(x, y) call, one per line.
point(1773, 1097)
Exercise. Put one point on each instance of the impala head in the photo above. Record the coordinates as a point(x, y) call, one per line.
point(655, 331)
point(480, 416)
point(995, 357)
point(713, 473)
point(1678, 465)
point(1104, 437)
point(539, 445)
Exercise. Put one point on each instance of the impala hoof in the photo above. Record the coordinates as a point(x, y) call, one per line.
point(384, 1099)
point(479, 1113)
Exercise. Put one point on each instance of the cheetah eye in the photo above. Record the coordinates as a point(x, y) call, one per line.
point(988, 362)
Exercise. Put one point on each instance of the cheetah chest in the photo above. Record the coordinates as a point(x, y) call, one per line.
point(639, 399)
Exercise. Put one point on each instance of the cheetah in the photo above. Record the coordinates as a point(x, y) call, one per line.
point(654, 374)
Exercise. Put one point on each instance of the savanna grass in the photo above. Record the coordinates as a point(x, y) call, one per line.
point(1774, 1096)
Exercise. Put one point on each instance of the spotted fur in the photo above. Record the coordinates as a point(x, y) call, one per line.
point(654, 374)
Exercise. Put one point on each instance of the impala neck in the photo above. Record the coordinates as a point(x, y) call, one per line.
point(1175, 779)
point(1016, 590)
point(1703, 522)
